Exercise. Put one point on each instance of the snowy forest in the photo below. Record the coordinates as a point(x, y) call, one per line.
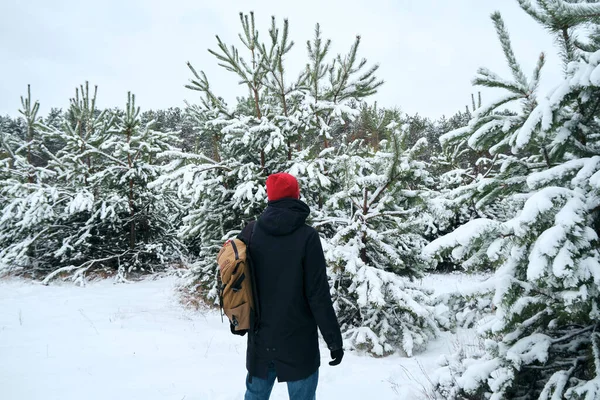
point(509, 187)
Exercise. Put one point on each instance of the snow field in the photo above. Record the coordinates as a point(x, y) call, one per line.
point(135, 341)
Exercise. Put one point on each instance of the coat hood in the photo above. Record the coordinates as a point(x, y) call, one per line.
point(282, 217)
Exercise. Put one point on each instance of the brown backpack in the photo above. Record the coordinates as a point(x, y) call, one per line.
point(236, 288)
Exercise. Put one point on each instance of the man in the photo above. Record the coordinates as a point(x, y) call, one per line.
point(293, 293)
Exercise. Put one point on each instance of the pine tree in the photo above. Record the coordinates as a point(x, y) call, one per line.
point(460, 173)
point(26, 199)
point(377, 220)
point(70, 217)
point(275, 128)
point(360, 196)
point(76, 246)
point(150, 242)
point(84, 130)
point(543, 341)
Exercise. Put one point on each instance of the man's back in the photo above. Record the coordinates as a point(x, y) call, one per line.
point(289, 271)
point(293, 292)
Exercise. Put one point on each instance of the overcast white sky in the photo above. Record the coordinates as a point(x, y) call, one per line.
point(429, 50)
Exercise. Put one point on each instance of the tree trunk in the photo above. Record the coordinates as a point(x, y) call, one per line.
point(85, 176)
point(256, 105)
point(363, 251)
point(29, 139)
point(216, 154)
point(131, 205)
point(285, 112)
point(132, 222)
point(259, 116)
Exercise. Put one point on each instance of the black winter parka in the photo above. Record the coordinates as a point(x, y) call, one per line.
point(293, 294)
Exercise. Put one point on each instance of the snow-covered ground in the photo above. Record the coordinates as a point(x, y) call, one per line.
point(135, 341)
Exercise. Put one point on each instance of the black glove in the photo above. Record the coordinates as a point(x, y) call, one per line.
point(336, 356)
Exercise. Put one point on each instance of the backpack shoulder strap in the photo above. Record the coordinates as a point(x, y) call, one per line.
point(247, 233)
point(246, 237)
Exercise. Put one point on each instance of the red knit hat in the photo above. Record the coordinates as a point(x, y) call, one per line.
point(282, 185)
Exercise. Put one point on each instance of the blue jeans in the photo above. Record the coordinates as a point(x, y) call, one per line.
point(260, 389)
